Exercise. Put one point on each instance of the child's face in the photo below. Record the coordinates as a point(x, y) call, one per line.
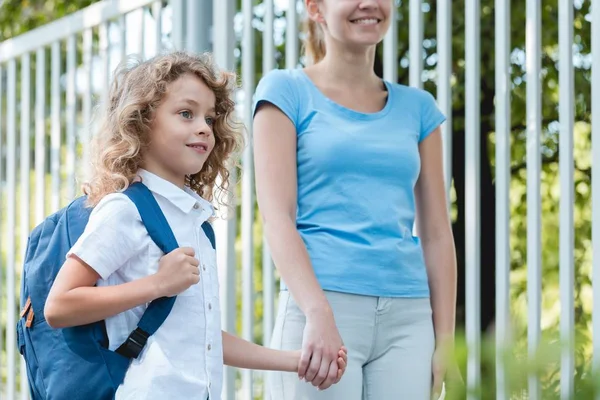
point(181, 136)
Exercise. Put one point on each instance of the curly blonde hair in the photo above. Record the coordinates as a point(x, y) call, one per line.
point(137, 90)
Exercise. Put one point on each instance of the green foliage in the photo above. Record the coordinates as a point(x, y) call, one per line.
point(19, 16)
point(544, 365)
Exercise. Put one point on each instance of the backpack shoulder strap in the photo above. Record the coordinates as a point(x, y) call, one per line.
point(160, 232)
point(210, 233)
point(152, 216)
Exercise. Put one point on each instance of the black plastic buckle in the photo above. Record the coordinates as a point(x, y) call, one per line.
point(134, 344)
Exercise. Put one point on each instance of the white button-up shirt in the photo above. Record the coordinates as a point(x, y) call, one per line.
point(184, 358)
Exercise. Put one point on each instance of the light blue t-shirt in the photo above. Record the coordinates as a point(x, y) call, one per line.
point(356, 179)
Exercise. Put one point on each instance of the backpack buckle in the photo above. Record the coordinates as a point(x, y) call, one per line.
point(134, 344)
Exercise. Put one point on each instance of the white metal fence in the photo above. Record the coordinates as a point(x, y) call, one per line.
point(78, 52)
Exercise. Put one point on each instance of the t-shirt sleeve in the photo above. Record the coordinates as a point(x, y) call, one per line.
point(112, 236)
point(431, 116)
point(276, 87)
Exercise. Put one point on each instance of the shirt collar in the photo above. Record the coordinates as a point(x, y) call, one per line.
point(183, 199)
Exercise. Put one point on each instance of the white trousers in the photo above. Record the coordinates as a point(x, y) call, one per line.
point(390, 345)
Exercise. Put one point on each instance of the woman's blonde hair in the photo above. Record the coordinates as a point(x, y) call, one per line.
point(314, 43)
point(137, 90)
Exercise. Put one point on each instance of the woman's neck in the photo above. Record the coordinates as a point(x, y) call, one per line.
point(341, 67)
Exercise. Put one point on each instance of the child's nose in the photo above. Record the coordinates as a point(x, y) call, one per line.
point(203, 129)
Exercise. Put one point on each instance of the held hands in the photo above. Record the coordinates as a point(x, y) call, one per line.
point(177, 271)
point(342, 363)
point(321, 348)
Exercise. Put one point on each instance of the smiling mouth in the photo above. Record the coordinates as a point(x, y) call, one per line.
point(200, 148)
point(366, 21)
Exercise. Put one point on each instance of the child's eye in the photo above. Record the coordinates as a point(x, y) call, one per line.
point(186, 114)
point(210, 121)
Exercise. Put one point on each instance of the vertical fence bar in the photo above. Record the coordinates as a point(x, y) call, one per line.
point(534, 284)
point(225, 230)
point(567, 198)
point(503, 118)
point(248, 56)
point(2, 187)
point(267, 265)
point(123, 35)
point(390, 48)
point(415, 24)
point(25, 167)
point(25, 119)
point(104, 61)
point(473, 194)
point(56, 128)
point(178, 23)
point(87, 96)
point(40, 135)
point(268, 38)
point(596, 185)
point(198, 25)
point(104, 87)
point(11, 187)
point(444, 85)
point(157, 11)
point(71, 116)
point(142, 26)
point(291, 36)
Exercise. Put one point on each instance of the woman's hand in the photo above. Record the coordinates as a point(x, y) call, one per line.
point(438, 369)
point(444, 368)
point(320, 346)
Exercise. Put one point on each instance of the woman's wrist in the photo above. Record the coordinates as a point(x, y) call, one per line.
point(319, 309)
point(445, 340)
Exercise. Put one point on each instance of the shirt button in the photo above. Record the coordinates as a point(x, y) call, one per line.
point(203, 267)
point(209, 347)
point(209, 306)
point(196, 206)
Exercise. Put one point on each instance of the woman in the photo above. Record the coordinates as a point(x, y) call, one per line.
point(344, 164)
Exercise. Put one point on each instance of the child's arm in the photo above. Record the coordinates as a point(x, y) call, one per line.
point(74, 300)
point(240, 353)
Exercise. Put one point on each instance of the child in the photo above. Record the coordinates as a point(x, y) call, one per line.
point(169, 123)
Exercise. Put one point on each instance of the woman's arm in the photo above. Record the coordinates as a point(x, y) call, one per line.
point(276, 190)
point(435, 232)
point(434, 229)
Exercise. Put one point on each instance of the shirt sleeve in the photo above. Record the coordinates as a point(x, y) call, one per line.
point(431, 116)
point(112, 236)
point(276, 87)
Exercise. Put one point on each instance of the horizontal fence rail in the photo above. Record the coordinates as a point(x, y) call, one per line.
point(53, 78)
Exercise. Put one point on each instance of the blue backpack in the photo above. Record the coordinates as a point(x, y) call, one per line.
point(75, 363)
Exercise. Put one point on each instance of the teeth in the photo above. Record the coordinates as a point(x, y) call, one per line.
point(369, 21)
